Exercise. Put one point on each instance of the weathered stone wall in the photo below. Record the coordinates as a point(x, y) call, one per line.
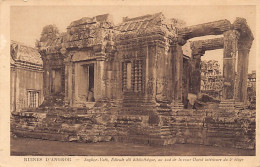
point(64, 124)
point(232, 128)
point(23, 80)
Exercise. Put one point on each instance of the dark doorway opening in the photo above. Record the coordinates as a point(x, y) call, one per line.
point(91, 83)
point(91, 77)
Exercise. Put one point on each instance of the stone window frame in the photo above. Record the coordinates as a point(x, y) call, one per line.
point(33, 98)
point(136, 75)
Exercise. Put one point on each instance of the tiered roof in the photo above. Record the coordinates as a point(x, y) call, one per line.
point(98, 30)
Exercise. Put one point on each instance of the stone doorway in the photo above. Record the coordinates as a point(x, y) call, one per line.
point(87, 82)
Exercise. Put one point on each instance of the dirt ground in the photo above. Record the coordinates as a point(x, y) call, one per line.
point(28, 146)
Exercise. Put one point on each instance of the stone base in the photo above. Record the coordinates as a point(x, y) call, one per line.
point(216, 127)
point(146, 140)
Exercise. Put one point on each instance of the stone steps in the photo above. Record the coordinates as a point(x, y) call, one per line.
point(227, 104)
point(231, 104)
point(177, 106)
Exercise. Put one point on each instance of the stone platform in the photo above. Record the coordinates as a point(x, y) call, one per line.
point(224, 128)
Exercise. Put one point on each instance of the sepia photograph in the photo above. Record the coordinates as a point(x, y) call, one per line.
point(124, 80)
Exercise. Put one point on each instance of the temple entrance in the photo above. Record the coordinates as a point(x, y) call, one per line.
point(86, 82)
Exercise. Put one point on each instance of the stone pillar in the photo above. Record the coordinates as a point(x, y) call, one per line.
point(195, 75)
point(47, 77)
point(242, 70)
point(73, 96)
point(177, 65)
point(161, 72)
point(185, 81)
point(229, 62)
point(99, 80)
point(150, 71)
point(67, 84)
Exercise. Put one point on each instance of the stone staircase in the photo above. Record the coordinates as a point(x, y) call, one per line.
point(137, 105)
point(231, 104)
point(240, 105)
point(227, 104)
point(164, 108)
point(177, 106)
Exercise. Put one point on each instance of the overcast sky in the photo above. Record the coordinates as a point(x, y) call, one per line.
point(27, 22)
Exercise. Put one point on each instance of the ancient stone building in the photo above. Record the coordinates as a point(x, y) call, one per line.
point(26, 83)
point(130, 82)
point(139, 64)
point(130, 63)
point(140, 58)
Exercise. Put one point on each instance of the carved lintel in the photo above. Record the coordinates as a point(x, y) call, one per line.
point(200, 46)
point(198, 52)
point(196, 56)
point(211, 28)
point(178, 41)
point(181, 41)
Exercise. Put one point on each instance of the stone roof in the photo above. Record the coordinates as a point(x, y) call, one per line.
point(146, 25)
point(24, 53)
point(100, 30)
point(139, 23)
point(85, 32)
point(105, 18)
point(148, 21)
point(100, 33)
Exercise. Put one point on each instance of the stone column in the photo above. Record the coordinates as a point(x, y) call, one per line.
point(242, 70)
point(195, 75)
point(161, 73)
point(177, 66)
point(67, 84)
point(229, 62)
point(150, 71)
point(73, 96)
point(47, 77)
point(99, 80)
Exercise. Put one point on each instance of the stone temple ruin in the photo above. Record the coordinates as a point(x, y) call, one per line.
point(131, 81)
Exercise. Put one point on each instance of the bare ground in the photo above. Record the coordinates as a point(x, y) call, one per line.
point(28, 146)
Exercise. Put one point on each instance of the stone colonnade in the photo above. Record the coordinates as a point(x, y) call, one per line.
point(236, 46)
